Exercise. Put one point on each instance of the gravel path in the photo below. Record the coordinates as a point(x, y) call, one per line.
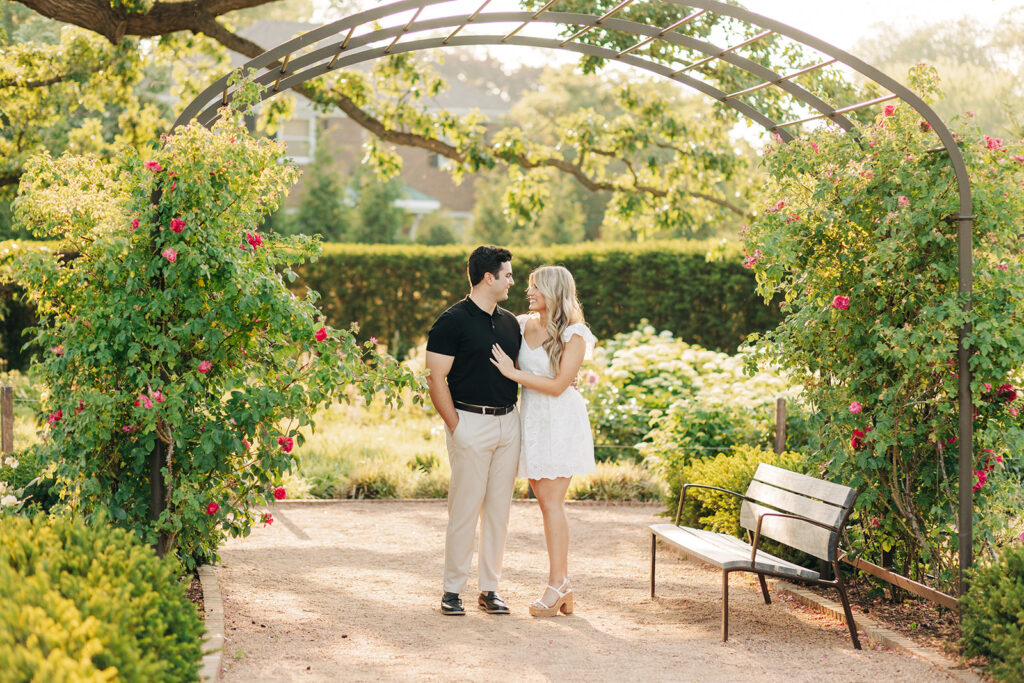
point(350, 590)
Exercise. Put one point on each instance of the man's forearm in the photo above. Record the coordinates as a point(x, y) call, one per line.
point(441, 397)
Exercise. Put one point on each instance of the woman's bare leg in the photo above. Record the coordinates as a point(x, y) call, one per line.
point(551, 496)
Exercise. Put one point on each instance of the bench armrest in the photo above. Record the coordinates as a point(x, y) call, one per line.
point(760, 518)
point(682, 496)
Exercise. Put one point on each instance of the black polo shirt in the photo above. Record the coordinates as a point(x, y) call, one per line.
point(467, 333)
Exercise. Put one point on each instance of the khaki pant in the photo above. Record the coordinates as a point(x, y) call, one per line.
point(484, 455)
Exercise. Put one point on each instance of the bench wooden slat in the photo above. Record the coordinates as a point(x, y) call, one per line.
point(795, 503)
point(727, 552)
point(794, 533)
point(836, 494)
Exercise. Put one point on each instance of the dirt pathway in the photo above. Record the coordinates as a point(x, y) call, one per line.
point(350, 591)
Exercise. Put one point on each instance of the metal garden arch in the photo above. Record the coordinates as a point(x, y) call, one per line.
point(360, 38)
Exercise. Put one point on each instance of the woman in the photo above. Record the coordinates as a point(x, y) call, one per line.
point(556, 442)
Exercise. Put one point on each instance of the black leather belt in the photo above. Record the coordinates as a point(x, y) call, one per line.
point(484, 410)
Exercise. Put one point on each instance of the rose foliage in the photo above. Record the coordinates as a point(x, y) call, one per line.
point(860, 239)
point(176, 332)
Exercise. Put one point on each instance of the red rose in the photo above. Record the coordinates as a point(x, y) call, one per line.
point(321, 334)
point(135, 223)
point(177, 225)
point(212, 508)
point(205, 366)
point(890, 110)
point(857, 440)
point(267, 519)
point(1007, 393)
point(279, 493)
point(286, 443)
point(254, 239)
point(841, 302)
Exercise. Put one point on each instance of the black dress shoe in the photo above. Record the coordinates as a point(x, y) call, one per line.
point(491, 603)
point(451, 605)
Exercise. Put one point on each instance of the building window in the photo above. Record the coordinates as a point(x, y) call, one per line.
point(300, 137)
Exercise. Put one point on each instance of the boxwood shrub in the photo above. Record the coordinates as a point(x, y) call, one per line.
point(992, 617)
point(90, 602)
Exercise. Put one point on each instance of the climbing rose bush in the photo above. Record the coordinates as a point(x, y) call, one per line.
point(176, 331)
point(859, 237)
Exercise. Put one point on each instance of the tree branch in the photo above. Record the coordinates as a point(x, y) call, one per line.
point(200, 16)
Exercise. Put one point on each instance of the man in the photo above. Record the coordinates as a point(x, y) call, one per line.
point(478, 407)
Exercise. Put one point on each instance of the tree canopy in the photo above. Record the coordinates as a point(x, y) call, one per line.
point(83, 75)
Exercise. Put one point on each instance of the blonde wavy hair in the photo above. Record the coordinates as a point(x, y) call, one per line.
point(558, 288)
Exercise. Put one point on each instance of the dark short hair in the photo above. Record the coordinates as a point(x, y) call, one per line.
point(486, 260)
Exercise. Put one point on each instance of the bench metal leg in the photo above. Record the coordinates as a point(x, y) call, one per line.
point(654, 550)
point(764, 590)
point(846, 605)
point(725, 606)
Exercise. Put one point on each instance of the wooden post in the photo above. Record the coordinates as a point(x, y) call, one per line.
point(6, 419)
point(780, 425)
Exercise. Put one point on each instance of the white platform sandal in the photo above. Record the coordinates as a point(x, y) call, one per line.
point(563, 603)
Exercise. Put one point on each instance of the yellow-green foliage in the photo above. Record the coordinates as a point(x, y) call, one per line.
point(732, 470)
point(91, 603)
point(993, 615)
point(616, 481)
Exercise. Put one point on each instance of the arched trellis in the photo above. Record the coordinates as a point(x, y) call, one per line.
point(359, 38)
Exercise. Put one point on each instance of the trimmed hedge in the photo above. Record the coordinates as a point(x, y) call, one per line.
point(992, 617)
point(91, 602)
point(396, 292)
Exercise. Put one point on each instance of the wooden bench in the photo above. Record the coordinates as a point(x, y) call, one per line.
point(794, 509)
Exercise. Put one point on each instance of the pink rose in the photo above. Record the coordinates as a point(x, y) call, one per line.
point(170, 255)
point(153, 166)
point(321, 334)
point(981, 478)
point(286, 443)
point(158, 397)
point(903, 200)
point(205, 366)
point(841, 302)
point(212, 508)
point(856, 407)
point(267, 519)
point(875, 521)
point(890, 110)
point(254, 239)
point(279, 493)
point(1002, 266)
point(55, 417)
point(57, 350)
point(128, 429)
point(246, 444)
point(792, 218)
point(779, 206)
point(146, 403)
point(1019, 158)
point(135, 223)
point(751, 260)
point(993, 143)
point(814, 146)
point(373, 340)
point(177, 225)
point(1014, 411)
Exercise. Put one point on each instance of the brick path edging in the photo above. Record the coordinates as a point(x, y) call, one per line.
point(875, 632)
point(213, 609)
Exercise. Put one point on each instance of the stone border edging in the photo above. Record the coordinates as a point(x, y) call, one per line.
point(874, 631)
point(213, 609)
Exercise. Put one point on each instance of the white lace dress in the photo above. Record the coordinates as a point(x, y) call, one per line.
point(557, 441)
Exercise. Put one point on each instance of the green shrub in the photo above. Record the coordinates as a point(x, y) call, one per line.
point(710, 303)
point(992, 618)
point(732, 470)
point(379, 479)
point(432, 484)
point(616, 481)
point(90, 602)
